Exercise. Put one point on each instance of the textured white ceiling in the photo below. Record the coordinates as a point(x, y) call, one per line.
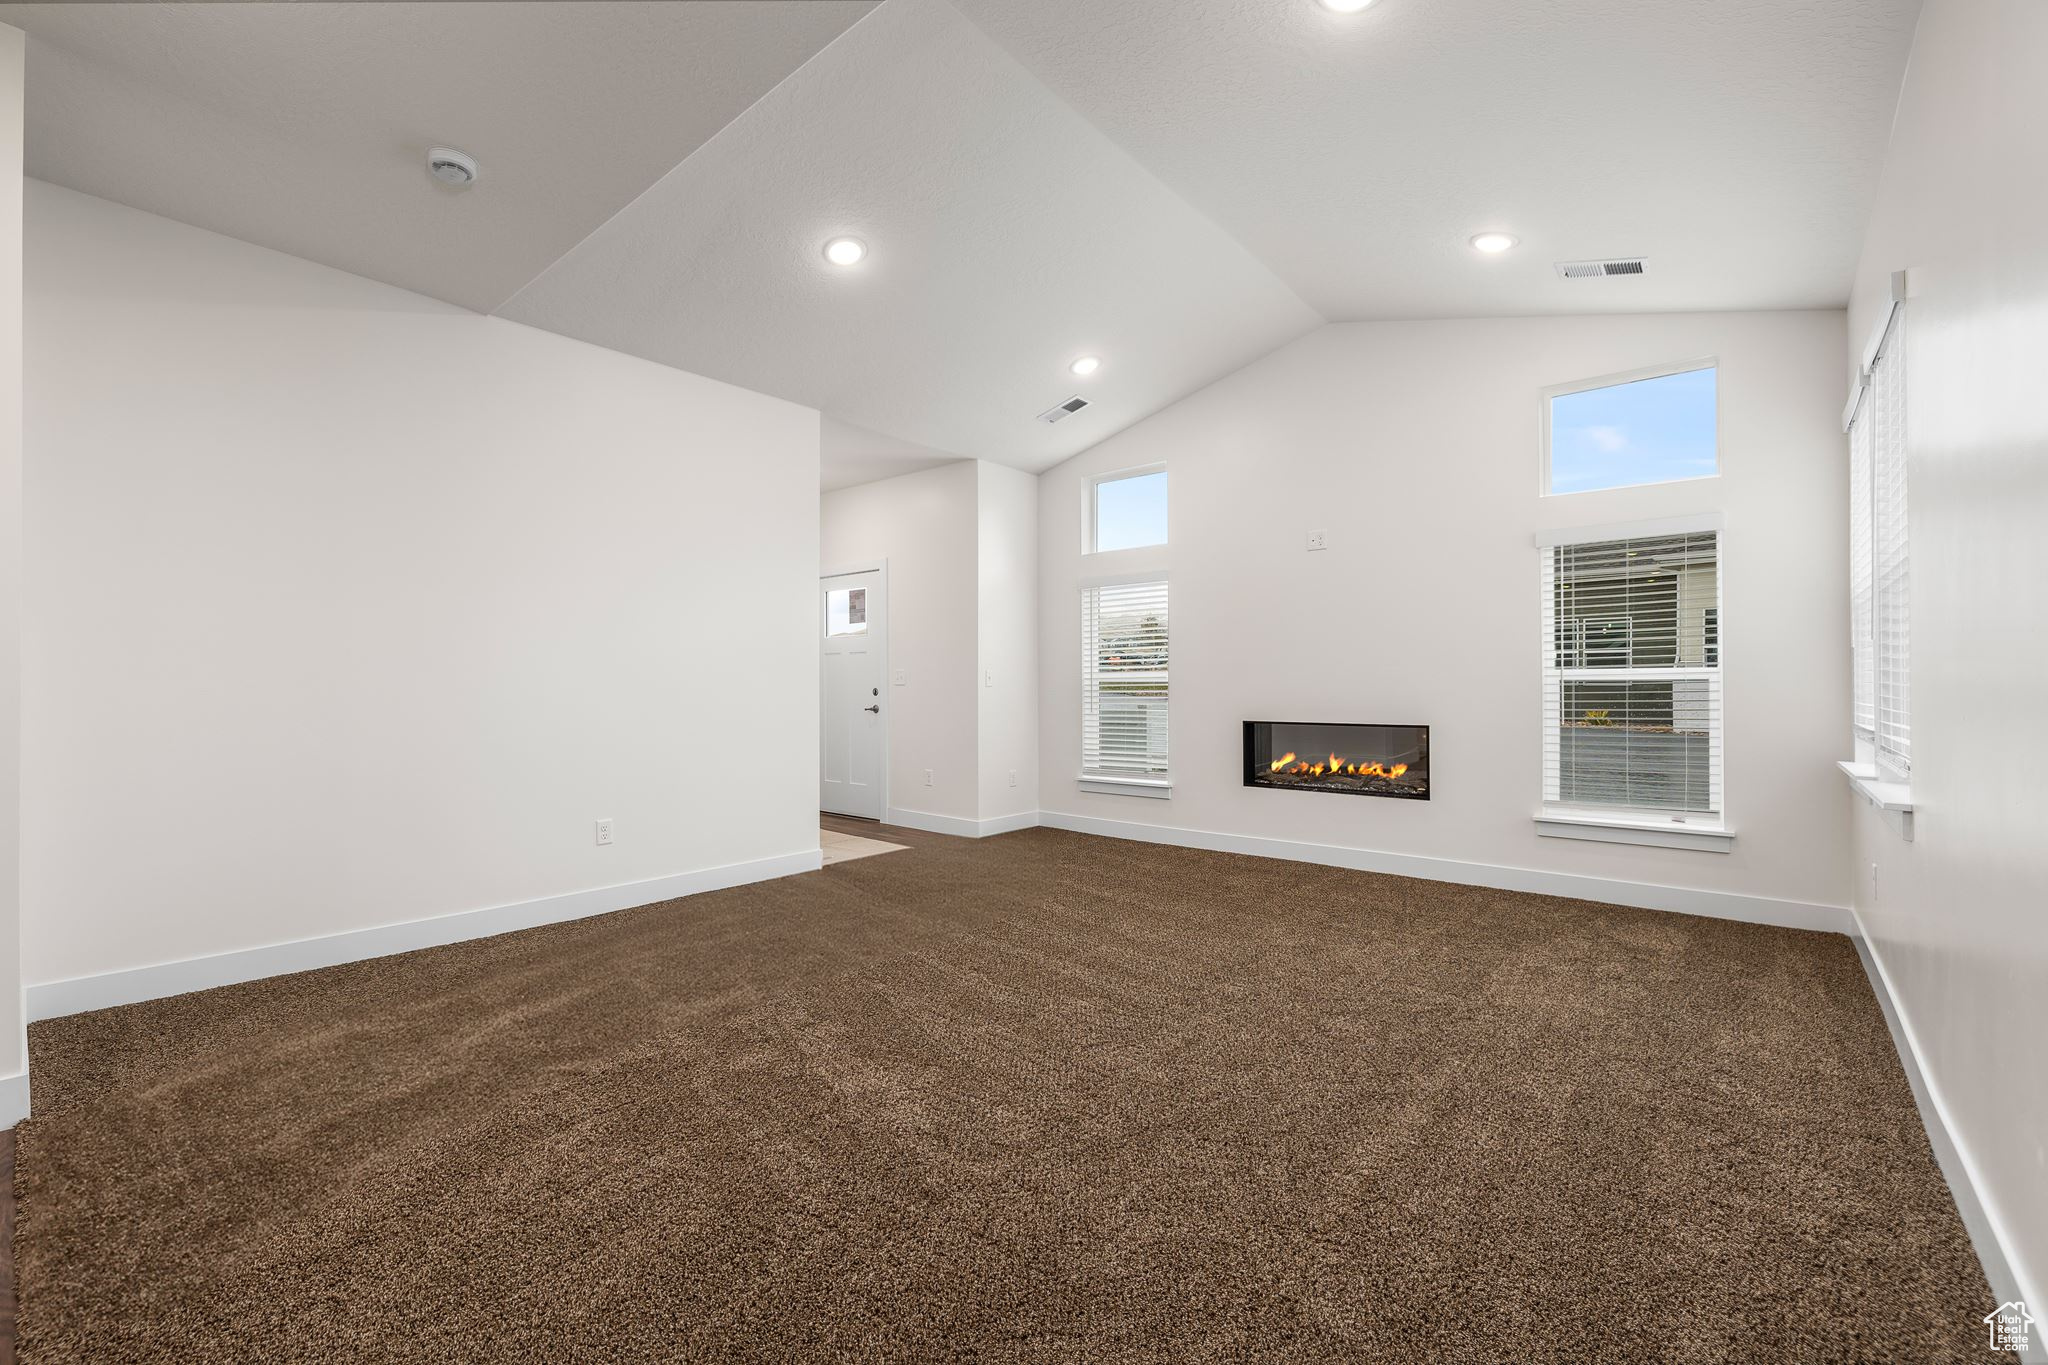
point(1736, 143)
point(1175, 185)
point(852, 456)
point(304, 127)
point(1007, 237)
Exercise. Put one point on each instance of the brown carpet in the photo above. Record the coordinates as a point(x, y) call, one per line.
point(1036, 1098)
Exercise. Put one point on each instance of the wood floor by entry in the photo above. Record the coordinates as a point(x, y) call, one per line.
point(1041, 1097)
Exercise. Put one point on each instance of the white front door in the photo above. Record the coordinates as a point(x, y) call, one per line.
point(855, 623)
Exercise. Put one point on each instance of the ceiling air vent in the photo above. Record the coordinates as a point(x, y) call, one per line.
point(1594, 270)
point(1066, 409)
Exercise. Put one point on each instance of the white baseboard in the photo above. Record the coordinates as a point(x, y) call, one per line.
point(13, 1099)
point(1833, 919)
point(1980, 1217)
point(1003, 824)
point(960, 824)
point(52, 999)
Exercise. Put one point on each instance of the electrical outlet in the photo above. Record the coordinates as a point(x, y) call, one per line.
point(604, 831)
point(927, 777)
point(1319, 540)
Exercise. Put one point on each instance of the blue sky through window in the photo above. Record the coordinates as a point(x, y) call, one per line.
point(1131, 512)
point(1648, 431)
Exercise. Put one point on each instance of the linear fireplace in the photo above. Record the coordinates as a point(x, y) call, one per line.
point(1345, 760)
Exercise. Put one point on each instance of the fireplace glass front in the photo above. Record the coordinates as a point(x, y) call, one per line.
point(1342, 760)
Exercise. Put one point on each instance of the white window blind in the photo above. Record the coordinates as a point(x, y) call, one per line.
point(1890, 632)
point(1860, 656)
point(1124, 652)
point(1632, 651)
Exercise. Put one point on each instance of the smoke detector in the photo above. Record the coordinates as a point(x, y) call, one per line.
point(1594, 270)
point(1063, 410)
point(451, 167)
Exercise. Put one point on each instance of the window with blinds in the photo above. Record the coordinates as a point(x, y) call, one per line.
point(1125, 646)
point(1632, 651)
point(1890, 564)
point(1861, 657)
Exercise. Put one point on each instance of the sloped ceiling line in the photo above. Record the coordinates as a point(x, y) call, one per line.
point(866, 8)
point(1007, 236)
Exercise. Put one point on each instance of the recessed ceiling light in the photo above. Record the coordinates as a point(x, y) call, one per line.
point(1086, 365)
point(1344, 6)
point(1493, 243)
point(846, 250)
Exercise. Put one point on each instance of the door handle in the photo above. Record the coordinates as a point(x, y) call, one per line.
point(876, 708)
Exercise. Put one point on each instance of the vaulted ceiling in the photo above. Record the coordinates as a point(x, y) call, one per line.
point(1176, 186)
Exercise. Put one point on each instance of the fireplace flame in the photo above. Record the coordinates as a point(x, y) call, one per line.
point(1334, 766)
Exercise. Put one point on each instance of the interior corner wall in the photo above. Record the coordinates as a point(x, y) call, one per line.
point(926, 526)
point(13, 1047)
point(1956, 918)
point(1006, 628)
point(1416, 447)
point(347, 608)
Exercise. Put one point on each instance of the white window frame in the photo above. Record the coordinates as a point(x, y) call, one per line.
point(1110, 783)
point(1712, 833)
point(1609, 381)
point(1090, 508)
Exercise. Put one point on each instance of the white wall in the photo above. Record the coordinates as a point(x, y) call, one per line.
point(346, 607)
point(1007, 631)
point(1958, 918)
point(926, 526)
point(1415, 445)
point(13, 1043)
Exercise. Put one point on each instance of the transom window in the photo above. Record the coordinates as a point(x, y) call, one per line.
point(1654, 426)
point(1127, 511)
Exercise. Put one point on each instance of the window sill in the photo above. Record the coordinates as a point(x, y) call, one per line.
point(1892, 798)
point(1871, 785)
point(1161, 787)
point(1624, 829)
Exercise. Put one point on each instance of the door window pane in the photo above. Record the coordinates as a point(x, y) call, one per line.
point(846, 611)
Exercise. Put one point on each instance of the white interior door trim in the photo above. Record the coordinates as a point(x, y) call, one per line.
point(877, 566)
